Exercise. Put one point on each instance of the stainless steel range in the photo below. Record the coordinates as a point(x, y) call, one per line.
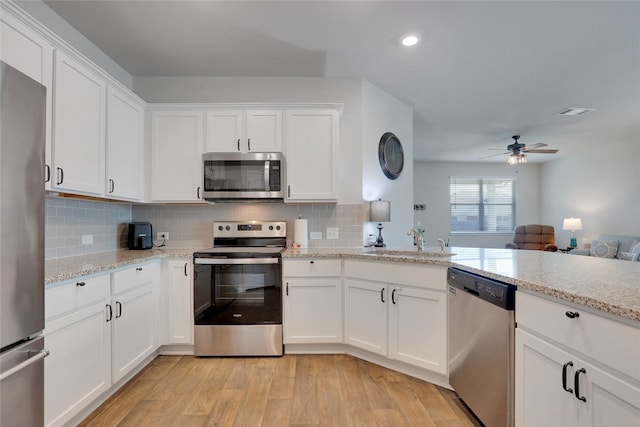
point(238, 290)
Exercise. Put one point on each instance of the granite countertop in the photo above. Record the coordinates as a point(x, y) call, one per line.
point(612, 286)
point(608, 285)
point(57, 270)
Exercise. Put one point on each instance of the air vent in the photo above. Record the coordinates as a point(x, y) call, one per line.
point(575, 111)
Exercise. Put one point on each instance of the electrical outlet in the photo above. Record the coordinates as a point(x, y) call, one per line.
point(315, 235)
point(419, 207)
point(162, 235)
point(332, 233)
point(87, 239)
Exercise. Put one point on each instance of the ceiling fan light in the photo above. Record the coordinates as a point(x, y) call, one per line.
point(522, 158)
point(410, 40)
point(513, 159)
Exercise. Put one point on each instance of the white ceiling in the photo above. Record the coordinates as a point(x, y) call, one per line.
point(484, 70)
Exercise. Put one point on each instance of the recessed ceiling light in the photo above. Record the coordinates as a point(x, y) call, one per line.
point(572, 111)
point(410, 40)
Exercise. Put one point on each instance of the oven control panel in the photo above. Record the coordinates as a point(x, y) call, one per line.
point(227, 229)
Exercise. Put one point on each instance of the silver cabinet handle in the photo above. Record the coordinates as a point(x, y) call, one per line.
point(19, 367)
point(47, 170)
point(60, 176)
point(238, 144)
point(112, 186)
point(249, 144)
point(186, 264)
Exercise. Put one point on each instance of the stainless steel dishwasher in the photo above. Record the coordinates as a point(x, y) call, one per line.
point(481, 345)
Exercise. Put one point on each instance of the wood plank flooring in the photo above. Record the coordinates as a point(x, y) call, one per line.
point(293, 390)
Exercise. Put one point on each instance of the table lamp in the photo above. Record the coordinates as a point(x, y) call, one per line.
point(380, 211)
point(572, 224)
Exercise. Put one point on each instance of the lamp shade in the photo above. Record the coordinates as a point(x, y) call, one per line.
point(380, 211)
point(572, 224)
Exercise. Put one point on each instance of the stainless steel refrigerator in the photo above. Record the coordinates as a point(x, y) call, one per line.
point(22, 151)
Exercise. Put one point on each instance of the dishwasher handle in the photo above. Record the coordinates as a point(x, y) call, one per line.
point(471, 291)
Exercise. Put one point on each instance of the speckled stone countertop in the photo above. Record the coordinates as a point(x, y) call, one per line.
point(58, 270)
point(609, 285)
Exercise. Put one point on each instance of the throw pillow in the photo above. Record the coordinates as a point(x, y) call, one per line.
point(628, 256)
point(604, 249)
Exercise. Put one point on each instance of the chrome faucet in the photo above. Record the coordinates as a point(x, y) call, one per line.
point(441, 245)
point(417, 235)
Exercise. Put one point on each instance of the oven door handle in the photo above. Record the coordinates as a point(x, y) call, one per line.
point(227, 261)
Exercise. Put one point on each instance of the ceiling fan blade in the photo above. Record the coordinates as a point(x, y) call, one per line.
point(533, 146)
point(544, 151)
point(493, 155)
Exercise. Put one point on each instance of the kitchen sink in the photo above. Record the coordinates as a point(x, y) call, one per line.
point(412, 253)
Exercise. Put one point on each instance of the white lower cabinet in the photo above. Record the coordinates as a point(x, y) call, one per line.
point(78, 337)
point(398, 311)
point(97, 329)
point(134, 322)
point(312, 301)
point(556, 385)
point(179, 302)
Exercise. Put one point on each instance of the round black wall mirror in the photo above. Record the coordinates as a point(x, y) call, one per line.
point(390, 155)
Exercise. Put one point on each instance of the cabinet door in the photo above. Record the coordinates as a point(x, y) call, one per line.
point(176, 168)
point(263, 131)
point(312, 310)
point(25, 50)
point(133, 329)
point(125, 146)
point(366, 315)
point(225, 132)
point(179, 301)
point(312, 145)
point(79, 128)
point(78, 368)
point(609, 400)
point(418, 328)
point(540, 397)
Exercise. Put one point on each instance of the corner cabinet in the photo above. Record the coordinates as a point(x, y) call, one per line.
point(557, 384)
point(255, 131)
point(398, 311)
point(79, 128)
point(124, 146)
point(312, 144)
point(312, 301)
point(176, 145)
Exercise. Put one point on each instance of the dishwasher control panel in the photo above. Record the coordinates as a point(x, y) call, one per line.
point(494, 291)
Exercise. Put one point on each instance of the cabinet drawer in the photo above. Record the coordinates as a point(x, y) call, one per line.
point(75, 294)
point(132, 277)
point(312, 268)
point(604, 340)
point(423, 276)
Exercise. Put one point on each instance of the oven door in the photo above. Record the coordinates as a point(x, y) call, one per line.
point(237, 291)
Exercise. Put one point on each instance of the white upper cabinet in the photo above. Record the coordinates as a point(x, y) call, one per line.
point(176, 145)
point(311, 155)
point(79, 128)
point(125, 146)
point(25, 50)
point(256, 131)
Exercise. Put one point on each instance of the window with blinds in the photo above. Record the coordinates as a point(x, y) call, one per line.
point(482, 204)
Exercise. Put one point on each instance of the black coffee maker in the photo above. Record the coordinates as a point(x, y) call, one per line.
point(140, 236)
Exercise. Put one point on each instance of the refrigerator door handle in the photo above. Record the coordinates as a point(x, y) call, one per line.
point(19, 367)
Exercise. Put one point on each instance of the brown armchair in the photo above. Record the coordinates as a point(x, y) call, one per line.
point(535, 237)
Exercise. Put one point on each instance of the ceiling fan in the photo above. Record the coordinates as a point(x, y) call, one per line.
point(517, 151)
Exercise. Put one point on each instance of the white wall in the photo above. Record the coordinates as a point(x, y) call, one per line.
point(42, 13)
point(431, 187)
point(381, 113)
point(276, 89)
point(600, 185)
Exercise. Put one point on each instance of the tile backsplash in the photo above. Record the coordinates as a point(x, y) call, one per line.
point(68, 220)
point(189, 226)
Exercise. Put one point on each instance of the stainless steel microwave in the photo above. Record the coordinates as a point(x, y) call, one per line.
point(243, 177)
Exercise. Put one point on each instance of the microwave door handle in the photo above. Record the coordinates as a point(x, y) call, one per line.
point(267, 169)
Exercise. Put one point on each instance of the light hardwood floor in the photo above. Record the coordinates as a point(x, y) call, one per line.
point(294, 390)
